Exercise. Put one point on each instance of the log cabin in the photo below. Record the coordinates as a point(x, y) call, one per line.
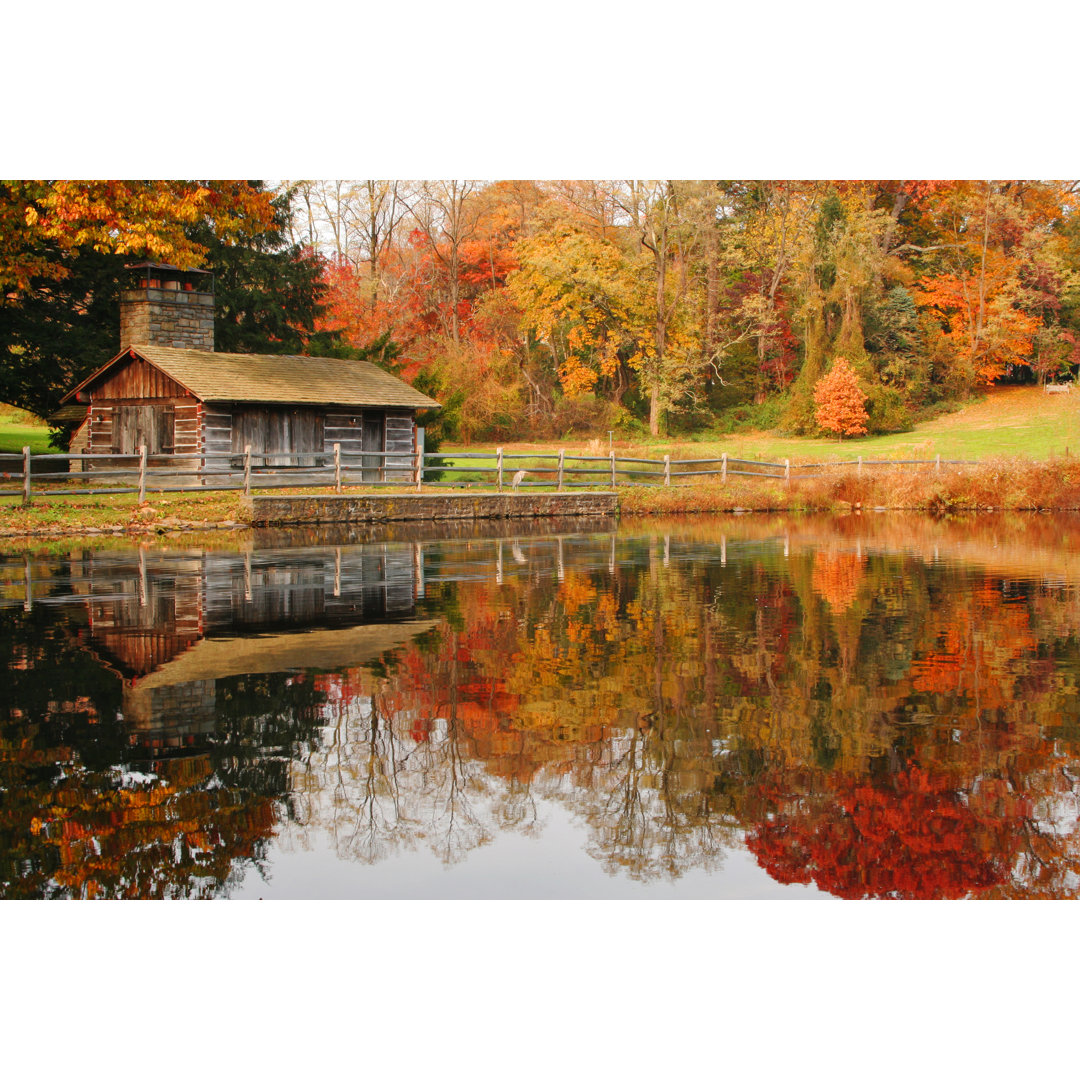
point(173, 624)
point(169, 390)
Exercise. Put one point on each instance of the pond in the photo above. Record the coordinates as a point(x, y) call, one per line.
point(751, 706)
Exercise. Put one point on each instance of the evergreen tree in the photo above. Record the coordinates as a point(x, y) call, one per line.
point(57, 331)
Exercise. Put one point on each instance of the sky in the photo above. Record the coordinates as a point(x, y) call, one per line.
point(569, 88)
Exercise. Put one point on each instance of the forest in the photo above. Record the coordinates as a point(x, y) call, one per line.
point(542, 309)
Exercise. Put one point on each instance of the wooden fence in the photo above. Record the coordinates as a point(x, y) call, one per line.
point(29, 475)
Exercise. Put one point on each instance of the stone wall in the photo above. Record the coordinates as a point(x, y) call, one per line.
point(172, 317)
point(339, 509)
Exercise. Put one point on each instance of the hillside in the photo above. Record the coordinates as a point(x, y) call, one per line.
point(1021, 421)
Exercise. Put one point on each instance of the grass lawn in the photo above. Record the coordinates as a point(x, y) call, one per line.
point(1012, 421)
point(19, 429)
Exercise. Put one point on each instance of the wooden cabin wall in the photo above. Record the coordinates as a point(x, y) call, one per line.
point(104, 428)
point(135, 382)
point(400, 439)
point(346, 426)
point(226, 425)
point(140, 384)
point(217, 430)
point(187, 420)
point(277, 434)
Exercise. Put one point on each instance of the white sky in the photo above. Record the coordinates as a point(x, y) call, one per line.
point(569, 88)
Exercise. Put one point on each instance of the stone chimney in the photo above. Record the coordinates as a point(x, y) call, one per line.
point(164, 305)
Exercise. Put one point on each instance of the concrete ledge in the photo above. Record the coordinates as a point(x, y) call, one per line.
point(264, 510)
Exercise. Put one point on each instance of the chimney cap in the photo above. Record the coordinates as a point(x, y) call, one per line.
point(163, 266)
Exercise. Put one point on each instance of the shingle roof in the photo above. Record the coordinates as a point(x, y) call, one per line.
point(68, 414)
point(294, 380)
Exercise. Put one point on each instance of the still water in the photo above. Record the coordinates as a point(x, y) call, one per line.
point(802, 708)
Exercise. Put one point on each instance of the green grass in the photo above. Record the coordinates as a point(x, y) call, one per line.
point(19, 429)
point(1014, 421)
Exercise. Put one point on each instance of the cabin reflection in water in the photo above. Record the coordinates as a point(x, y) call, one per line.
point(172, 625)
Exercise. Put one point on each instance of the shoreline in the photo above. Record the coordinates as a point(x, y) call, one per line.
point(141, 531)
point(1002, 485)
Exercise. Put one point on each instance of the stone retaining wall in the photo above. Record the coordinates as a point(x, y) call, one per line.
point(339, 509)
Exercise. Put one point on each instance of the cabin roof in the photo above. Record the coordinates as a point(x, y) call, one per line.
point(219, 658)
point(258, 377)
point(68, 414)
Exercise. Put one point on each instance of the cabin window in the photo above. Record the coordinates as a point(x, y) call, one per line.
point(152, 426)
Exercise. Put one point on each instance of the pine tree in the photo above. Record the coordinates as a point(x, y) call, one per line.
point(841, 404)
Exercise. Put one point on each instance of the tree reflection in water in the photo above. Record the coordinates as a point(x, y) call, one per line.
point(871, 720)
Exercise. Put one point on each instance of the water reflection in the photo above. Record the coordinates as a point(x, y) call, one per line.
point(871, 706)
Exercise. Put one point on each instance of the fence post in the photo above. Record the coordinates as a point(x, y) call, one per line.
point(247, 468)
point(667, 470)
point(337, 467)
point(723, 469)
point(860, 465)
point(612, 470)
point(937, 464)
point(562, 457)
point(28, 582)
point(498, 456)
point(142, 473)
point(144, 592)
point(26, 475)
point(787, 470)
point(420, 446)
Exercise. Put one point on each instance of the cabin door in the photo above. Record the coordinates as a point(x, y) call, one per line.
point(143, 425)
point(372, 444)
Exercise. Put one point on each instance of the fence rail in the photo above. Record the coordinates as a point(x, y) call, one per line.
point(28, 475)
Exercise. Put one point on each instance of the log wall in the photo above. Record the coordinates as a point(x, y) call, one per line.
point(138, 384)
point(225, 427)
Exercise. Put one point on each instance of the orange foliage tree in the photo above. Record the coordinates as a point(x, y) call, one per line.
point(841, 404)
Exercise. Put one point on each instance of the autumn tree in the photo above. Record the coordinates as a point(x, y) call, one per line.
point(42, 221)
point(63, 320)
point(841, 404)
point(582, 300)
point(991, 283)
point(446, 213)
point(671, 221)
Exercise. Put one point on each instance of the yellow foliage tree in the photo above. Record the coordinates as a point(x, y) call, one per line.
point(579, 295)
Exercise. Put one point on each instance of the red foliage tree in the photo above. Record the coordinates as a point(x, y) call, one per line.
point(913, 837)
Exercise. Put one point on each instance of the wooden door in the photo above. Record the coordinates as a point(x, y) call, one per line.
point(143, 425)
point(307, 436)
point(372, 444)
